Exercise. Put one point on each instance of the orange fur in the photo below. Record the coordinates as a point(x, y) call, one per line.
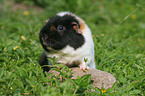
point(52, 28)
point(82, 25)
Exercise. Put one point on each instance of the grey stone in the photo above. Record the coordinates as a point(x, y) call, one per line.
point(99, 78)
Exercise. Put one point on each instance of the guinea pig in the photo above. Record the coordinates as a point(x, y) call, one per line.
point(66, 37)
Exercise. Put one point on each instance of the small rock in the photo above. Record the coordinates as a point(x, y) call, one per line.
point(99, 78)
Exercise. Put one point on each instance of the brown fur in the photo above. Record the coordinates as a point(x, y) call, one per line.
point(82, 25)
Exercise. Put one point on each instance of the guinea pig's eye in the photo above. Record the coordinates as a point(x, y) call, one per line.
point(61, 28)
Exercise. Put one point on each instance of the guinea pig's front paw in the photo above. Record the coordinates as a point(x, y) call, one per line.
point(84, 66)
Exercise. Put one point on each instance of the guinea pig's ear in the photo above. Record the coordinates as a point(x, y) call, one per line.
point(46, 20)
point(76, 28)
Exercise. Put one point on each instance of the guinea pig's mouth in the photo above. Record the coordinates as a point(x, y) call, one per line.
point(44, 38)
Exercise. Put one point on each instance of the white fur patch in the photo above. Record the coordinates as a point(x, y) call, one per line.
point(63, 13)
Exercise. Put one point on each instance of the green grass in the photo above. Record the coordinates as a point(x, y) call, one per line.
point(118, 29)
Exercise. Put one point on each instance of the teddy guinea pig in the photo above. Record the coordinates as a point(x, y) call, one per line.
point(66, 37)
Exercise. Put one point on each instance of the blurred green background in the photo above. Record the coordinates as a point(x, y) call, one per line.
point(118, 30)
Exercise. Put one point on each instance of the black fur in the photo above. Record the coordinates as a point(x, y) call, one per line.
point(44, 62)
point(57, 40)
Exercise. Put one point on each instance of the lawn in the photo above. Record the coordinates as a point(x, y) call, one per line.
point(118, 31)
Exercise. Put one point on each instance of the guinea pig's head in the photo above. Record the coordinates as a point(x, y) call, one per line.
point(60, 31)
